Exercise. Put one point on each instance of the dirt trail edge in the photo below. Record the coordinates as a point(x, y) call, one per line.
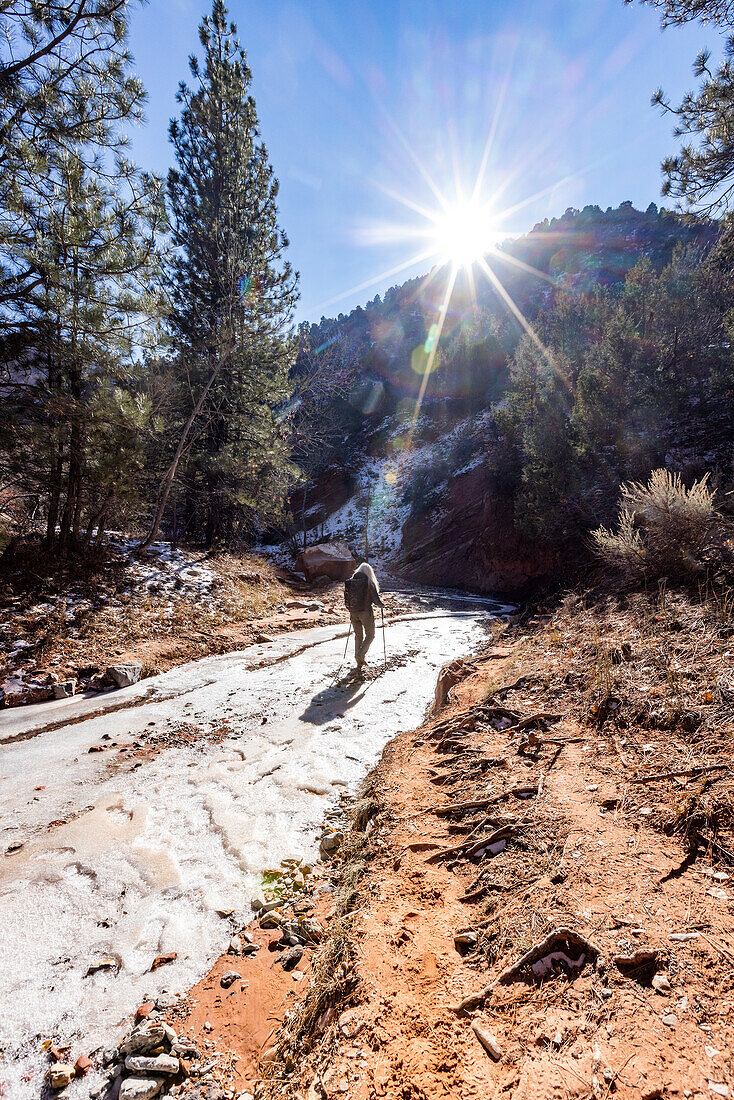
point(521, 926)
point(533, 898)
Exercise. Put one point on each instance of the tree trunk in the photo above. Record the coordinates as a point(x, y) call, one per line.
point(171, 472)
point(54, 503)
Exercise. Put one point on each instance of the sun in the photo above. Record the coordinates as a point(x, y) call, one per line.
point(463, 233)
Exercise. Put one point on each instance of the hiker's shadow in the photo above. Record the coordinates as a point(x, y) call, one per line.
point(332, 701)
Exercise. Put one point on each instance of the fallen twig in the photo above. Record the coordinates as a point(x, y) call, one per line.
point(483, 803)
point(533, 719)
point(681, 772)
point(511, 973)
point(469, 847)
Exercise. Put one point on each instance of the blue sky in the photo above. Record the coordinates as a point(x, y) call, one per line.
point(367, 106)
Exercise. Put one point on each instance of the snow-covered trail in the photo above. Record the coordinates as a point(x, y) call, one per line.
point(128, 860)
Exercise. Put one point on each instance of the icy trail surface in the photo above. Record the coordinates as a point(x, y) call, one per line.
point(126, 855)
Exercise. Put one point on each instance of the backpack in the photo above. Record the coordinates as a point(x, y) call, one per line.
point(356, 593)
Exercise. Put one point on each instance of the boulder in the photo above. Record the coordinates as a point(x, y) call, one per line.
point(65, 689)
point(144, 1039)
point(124, 675)
point(329, 559)
point(16, 693)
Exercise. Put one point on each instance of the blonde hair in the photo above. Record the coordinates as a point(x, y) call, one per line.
point(369, 572)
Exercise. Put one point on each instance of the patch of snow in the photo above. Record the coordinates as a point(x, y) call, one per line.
point(132, 863)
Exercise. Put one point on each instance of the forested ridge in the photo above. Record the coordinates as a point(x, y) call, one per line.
point(153, 380)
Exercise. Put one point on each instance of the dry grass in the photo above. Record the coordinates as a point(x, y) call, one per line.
point(650, 673)
point(245, 589)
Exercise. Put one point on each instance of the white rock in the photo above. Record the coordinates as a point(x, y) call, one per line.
point(144, 1038)
point(161, 1063)
point(140, 1088)
point(124, 675)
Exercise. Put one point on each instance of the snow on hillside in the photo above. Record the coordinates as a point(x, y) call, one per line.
point(372, 520)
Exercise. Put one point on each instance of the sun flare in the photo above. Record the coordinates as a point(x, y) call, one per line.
point(464, 232)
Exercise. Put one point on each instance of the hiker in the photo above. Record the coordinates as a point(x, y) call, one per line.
point(361, 591)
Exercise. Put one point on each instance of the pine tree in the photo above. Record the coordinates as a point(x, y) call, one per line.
point(74, 393)
point(701, 174)
point(65, 84)
point(233, 297)
point(78, 264)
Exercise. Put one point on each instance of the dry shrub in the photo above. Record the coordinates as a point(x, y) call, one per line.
point(663, 528)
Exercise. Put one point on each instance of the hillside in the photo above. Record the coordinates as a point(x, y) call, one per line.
point(605, 293)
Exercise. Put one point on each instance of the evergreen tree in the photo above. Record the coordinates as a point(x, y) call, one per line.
point(73, 386)
point(233, 298)
point(701, 174)
point(78, 263)
point(65, 84)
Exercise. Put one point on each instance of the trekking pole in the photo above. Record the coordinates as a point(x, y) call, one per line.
point(346, 644)
point(384, 648)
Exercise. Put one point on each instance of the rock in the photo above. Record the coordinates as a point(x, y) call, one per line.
point(329, 844)
point(267, 907)
point(161, 1063)
point(329, 559)
point(83, 1065)
point(101, 964)
point(143, 1011)
point(257, 904)
point(165, 1001)
point(124, 675)
point(235, 946)
point(140, 1088)
point(671, 1020)
point(450, 675)
point(144, 1039)
point(291, 957)
point(205, 1090)
point(488, 1041)
point(313, 929)
point(683, 937)
point(161, 960)
point(270, 920)
point(26, 694)
point(65, 689)
point(661, 982)
point(229, 979)
point(60, 1075)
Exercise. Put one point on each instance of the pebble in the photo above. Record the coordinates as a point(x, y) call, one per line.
point(60, 1075)
point(661, 982)
point(720, 1090)
point(229, 979)
point(683, 937)
point(235, 945)
point(671, 1020)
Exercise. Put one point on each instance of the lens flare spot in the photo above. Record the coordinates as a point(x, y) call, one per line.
point(431, 339)
point(419, 359)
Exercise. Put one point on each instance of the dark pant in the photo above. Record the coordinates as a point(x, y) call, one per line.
point(363, 623)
